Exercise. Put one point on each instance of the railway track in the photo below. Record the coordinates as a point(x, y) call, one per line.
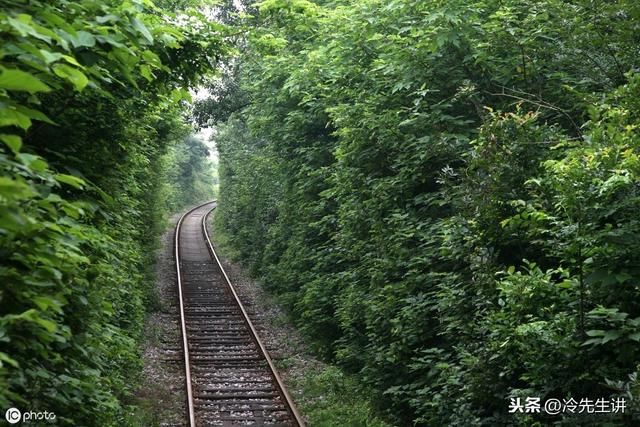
point(230, 378)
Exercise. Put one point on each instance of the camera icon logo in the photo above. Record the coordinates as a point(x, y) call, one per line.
point(13, 415)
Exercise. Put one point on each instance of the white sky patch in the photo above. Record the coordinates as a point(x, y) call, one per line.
point(238, 5)
point(205, 135)
point(199, 93)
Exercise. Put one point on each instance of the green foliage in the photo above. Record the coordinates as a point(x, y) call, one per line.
point(445, 195)
point(330, 398)
point(189, 175)
point(91, 100)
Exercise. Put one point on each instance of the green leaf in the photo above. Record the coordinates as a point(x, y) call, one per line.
point(14, 190)
point(73, 75)
point(70, 179)
point(179, 94)
point(47, 324)
point(145, 70)
point(151, 58)
point(34, 114)
point(611, 336)
point(45, 302)
point(83, 39)
point(13, 141)
point(592, 341)
point(50, 57)
point(623, 277)
point(140, 27)
point(4, 358)
point(31, 160)
point(23, 25)
point(11, 117)
point(71, 60)
point(107, 18)
point(13, 79)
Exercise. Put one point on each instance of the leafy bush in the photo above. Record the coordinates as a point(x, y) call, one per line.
point(84, 91)
point(445, 195)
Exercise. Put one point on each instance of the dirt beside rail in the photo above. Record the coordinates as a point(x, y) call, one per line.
point(161, 396)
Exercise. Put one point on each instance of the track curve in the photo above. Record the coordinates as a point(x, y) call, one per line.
point(230, 378)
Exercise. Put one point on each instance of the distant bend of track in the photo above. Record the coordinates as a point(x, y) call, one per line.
point(230, 378)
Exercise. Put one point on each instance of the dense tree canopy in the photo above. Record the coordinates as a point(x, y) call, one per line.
point(445, 193)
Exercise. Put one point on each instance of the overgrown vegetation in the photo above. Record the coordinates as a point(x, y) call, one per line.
point(324, 394)
point(92, 98)
point(445, 194)
point(330, 398)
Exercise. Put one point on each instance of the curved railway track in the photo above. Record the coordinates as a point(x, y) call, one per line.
point(230, 378)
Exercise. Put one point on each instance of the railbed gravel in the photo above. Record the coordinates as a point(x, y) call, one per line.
point(162, 393)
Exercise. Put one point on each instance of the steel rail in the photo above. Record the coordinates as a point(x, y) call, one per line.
point(291, 407)
point(183, 325)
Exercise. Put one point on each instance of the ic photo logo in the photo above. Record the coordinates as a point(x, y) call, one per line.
point(14, 416)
